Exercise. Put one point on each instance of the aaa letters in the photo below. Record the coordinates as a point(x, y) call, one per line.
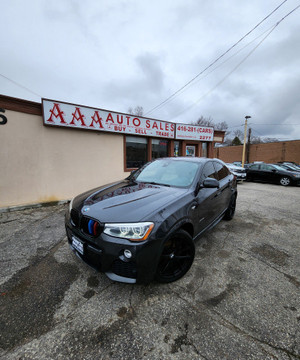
point(82, 117)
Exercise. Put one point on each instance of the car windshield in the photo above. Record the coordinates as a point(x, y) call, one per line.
point(169, 172)
point(292, 167)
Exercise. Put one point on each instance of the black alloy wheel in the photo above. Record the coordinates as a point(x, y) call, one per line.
point(177, 257)
point(285, 181)
point(229, 213)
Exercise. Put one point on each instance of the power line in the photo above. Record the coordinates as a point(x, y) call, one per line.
point(215, 68)
point(235, 126)
point(238, 65)
point(266, 136)
point(235, 44)
point(225, 77)
point(22, 86)
point(282, 124)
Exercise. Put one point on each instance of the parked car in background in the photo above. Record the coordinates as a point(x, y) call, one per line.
point(237, 163)
point(238, 171)
point(271, 173)
point(289, 167)
point(144, 226)
point(289, 163)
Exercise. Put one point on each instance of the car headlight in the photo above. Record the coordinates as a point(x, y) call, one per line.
point(130, 231)
point(297, 175)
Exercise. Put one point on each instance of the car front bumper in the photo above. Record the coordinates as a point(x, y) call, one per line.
point(240, 176)
point(106, 254)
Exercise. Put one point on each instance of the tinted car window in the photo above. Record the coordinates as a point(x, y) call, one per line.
point(266, 167)
point(221, 170)
point(254, 167)
point(209, 171)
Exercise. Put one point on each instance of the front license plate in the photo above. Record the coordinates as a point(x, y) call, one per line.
point(77, 245)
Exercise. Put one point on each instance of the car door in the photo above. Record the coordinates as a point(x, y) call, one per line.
point(225, 180)
point(205, 208)
point(253, 173)
point(268, 173)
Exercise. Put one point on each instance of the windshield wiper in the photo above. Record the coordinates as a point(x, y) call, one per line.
point(155, 183)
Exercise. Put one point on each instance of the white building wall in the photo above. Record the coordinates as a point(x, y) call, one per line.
point(41, 164)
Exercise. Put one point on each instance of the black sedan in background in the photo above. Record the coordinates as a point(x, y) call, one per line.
point(271, 173)
point(144, 227)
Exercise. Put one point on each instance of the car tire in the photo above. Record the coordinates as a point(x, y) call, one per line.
point(285, 181)
point(176, 257)
point(229, 213)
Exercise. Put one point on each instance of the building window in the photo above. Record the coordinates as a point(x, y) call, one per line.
point(159, 148)
point(177, 149)
point(190, 150)
point(136, 151)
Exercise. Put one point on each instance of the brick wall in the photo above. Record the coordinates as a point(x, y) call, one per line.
point(269, 153)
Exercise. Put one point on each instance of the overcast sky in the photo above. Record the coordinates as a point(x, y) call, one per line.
point(117, 54)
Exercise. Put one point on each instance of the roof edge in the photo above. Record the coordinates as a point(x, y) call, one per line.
point(20, 105)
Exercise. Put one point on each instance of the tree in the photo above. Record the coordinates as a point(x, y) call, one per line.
point(256, 140)
point(259, 140)
point(236, 141)
point(221, 126)
point(269, 140)
point(239, 134)
point(138, 111)
point(203, 121)
point(227, 140)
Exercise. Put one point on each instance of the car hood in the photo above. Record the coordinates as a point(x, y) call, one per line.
point(293, 172)
point(125, 201)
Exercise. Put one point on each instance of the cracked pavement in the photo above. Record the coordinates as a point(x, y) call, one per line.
point(240, 299)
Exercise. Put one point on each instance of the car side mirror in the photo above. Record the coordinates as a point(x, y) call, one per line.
point(211, 183)
point(207, 183)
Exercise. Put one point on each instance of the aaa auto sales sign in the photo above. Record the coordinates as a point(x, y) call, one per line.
point(76, 116)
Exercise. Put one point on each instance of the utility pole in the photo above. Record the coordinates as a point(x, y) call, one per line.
point(248, 146)
point(245, 137)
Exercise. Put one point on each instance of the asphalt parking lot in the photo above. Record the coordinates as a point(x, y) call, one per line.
point(240, 300)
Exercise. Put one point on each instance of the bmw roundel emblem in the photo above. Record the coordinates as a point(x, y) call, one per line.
point(86, 209)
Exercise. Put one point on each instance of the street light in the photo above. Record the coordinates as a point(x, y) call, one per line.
point(245, 136)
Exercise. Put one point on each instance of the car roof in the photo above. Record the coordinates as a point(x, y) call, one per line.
point(189, 158)
point(272, 165)
point(234, 166)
